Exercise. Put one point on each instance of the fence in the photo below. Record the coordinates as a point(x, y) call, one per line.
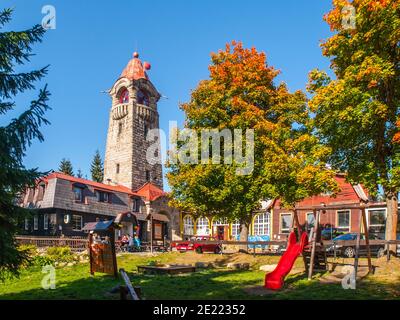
point(76, 244)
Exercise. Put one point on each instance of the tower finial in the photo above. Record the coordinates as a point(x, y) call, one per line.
point(136, 54)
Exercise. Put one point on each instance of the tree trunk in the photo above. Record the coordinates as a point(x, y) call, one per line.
point(244, 233)
point(391, 218)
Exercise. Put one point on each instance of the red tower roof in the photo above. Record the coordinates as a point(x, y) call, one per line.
point(135, 70)
point(150, 191)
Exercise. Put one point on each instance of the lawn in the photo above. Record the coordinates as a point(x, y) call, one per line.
point(75, 282)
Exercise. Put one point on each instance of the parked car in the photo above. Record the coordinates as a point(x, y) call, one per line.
point(330, 233)
point(349, 251)
point(198, 247)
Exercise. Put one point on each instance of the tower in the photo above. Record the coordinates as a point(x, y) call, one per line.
point(133, 113)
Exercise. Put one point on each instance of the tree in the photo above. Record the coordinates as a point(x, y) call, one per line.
point(288, 160)
point(66, 167)
point(16, 136)
point(96, 168)
point(356, 113)
point(79, 173)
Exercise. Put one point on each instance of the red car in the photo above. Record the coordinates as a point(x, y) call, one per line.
point(198, 246)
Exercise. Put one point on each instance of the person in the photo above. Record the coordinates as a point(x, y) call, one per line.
point(137, 242)
point(130, 243)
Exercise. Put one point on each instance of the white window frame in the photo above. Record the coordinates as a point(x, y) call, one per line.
point(202, 223)
point(35, 223)
point(235, 228)
point(262, 224)
point(73, 222)
point(188, 225)
point(26, 224)
point(286, 230)
point(308, 214)
point(80, 193)
point(45, 221)
point(348, 229)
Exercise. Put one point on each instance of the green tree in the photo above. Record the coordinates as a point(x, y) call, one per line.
point(288, 160)
point(79, 173)
point(356, 112)
point(17, 135)
point(66, 167)
point(96, 168)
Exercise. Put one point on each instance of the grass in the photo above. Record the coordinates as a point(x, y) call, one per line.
point(75, 282)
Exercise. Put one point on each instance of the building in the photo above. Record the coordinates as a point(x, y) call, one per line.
point(273, 222)
point(132, 190)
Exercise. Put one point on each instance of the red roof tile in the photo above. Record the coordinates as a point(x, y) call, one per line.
point(150, 191)
point(134, 69)
point(103, 186)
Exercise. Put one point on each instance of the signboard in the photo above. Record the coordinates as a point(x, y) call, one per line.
point(102, 257)
point(158, 227)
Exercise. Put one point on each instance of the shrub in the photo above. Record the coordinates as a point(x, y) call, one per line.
point(60, 254)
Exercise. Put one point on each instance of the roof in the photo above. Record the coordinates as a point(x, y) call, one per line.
point(96, 185)
point(135, 70)
point(98, 226)
point(150, 192)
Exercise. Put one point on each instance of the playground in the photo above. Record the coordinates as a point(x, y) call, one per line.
point(215, 281)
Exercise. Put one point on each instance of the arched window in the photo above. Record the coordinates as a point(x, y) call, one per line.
point(188, 225)
point(124, 96)
point(202, 227)
point(142, 98)
point(220, 222)
point(235, 229)
point(262, 224)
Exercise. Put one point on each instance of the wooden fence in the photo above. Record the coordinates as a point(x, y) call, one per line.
point(76, 244)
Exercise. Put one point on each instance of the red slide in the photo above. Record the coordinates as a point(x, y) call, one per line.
point(274, 279)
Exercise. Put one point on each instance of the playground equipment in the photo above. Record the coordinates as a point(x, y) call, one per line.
point(274, 280)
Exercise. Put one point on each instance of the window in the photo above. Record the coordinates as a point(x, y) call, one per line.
point(76, 222)
point(124, 96)
point(188, 225)
point(261, 224)
point(310, 220)
point(78, 194)
point(235, 229)
point(202, 227)
point(26, 224)
point(286, 222)
point(142, 98)
point(41, 190)
point(135, 205)
point(343, 220)
point(117, 168)
point(102, 196)
point(147, 175)
point(377, 222)
point(35, 223)
point(45, 221)
point(119, 128)
point(145, 129)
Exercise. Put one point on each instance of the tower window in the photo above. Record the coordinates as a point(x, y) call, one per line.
point(142, 98)
point(117, 168)
point(147, 175)
point(145, 129)
point(119, 128)
point(124, 96)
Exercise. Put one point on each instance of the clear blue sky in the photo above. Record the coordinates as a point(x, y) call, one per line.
point(94, 40)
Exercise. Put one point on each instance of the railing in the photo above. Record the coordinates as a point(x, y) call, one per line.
point(76, 244)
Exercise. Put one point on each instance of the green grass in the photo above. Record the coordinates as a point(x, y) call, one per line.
point(75, 282)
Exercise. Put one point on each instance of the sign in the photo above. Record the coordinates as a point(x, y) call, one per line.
point(158, 230)
point(102, 257)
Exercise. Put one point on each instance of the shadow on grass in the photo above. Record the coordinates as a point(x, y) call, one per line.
point(208, 284)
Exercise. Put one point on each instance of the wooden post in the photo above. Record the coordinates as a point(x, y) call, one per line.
point(123, 290)
point(311, 266)
point(91, 253)
point(366, 232)
point(114, 258)
point(151, 233)
point(128, 283)
point(297, 223)
point(357, 249)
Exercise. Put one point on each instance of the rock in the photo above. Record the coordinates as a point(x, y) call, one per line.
point(238, 266)
point(200, 265)
point(70, 264)
point(268, 267)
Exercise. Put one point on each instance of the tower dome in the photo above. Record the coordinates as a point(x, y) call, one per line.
point(135, 70)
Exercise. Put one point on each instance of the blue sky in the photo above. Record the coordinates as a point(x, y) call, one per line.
point(94, 40)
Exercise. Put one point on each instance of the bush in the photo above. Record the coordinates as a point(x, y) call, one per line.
point(41, 261)
point(29, 249)
point(60, 254)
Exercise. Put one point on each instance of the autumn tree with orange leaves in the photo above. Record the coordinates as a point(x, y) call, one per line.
point(288, 160)
point(357, 111)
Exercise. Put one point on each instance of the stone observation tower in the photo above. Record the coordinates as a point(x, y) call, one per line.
point(133, 113)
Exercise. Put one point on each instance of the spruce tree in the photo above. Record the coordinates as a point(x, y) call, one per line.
point(96, 168)
point(79, 173)
point(16, 135)
point(66, 167)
